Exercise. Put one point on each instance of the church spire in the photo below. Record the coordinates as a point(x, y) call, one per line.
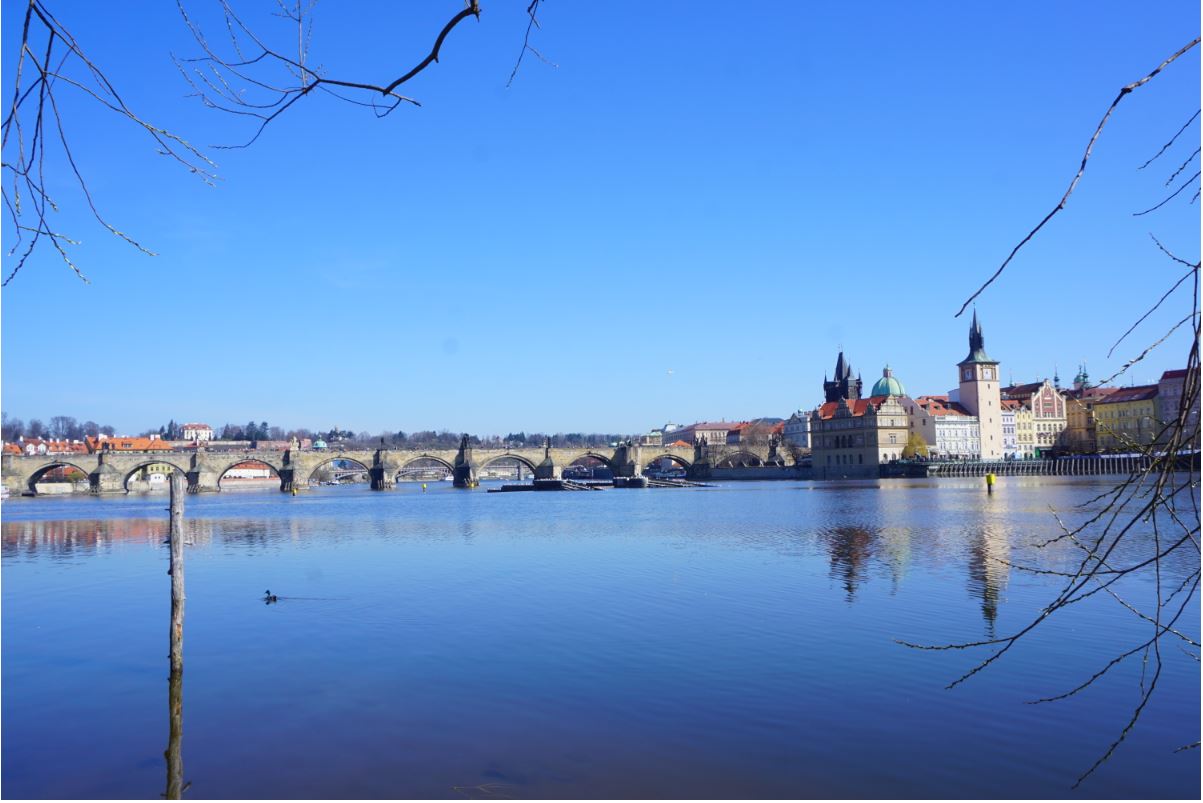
point(977, 343)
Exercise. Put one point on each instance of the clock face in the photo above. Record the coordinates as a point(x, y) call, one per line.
point(969, 373)
point(988, 373)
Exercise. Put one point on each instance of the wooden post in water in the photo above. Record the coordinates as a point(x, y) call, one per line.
point(174, 754)
point(176, 539)
point(175, 688)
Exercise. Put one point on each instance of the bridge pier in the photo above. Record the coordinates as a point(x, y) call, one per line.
point(463, 473)
point(547, 468)
point(293, 479)
point(202, 481)
point(106, 480)
point(381, 477)
point(627, 461)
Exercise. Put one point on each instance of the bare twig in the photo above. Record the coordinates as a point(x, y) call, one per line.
point(1167, 145)
point(532, 11)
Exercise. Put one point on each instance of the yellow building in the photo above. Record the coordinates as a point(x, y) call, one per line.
point(1126, 419)
point(1081, 433)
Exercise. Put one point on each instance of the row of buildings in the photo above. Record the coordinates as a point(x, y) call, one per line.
point(146, 443)
point(981, 419)
point(853, 434)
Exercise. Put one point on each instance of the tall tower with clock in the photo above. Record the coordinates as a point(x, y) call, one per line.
point(979, 393)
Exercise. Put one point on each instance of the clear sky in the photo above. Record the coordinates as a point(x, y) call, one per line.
point(685, 219)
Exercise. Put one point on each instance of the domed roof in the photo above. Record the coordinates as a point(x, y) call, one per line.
point(888, 385)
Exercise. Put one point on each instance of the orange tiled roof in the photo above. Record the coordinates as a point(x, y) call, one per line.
point(680, 443)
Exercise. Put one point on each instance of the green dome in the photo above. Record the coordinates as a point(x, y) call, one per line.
point(888, 385)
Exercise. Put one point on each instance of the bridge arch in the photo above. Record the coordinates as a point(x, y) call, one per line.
point(739, 460)
point(151, 460)
point(606, 460)
point(677, 459)
point(42, 470)
point(515, 457)
point(228, 467)
point(332, 458)
point(429, 460)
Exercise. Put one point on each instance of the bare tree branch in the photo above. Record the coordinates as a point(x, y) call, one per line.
point(1081, 169)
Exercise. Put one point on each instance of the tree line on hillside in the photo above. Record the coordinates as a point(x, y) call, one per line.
point(61, 427)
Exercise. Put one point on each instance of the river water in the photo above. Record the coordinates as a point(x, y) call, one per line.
point(734, 641)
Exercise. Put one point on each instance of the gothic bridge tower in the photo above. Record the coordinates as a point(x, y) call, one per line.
point(843, 386)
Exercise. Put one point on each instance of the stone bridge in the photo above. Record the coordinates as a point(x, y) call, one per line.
point(110, 472)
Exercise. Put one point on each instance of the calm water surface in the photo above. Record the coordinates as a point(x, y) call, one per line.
point(731, 641)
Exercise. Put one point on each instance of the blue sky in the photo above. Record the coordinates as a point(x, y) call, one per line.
point(685, 219)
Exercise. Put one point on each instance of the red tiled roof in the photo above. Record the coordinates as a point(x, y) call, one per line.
point(1179, 373)
point(196, 426)
point(858, 407)
point(680, 443)
point(940, 405)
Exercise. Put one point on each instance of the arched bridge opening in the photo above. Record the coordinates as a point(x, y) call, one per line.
point(506, 467)
point(151, 476)
point(666, 466)
point(740, 460)
point(249, 475)
point(58, 477)
point(589, 467)
point(424, 469)
point(339, 471)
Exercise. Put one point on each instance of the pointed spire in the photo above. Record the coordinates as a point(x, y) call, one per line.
point(977, 343)
point(841, 367)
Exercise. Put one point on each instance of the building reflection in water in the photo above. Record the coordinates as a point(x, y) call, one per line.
point(851, 548)
point(855, 549)
point(68, 538)
point(989, 569)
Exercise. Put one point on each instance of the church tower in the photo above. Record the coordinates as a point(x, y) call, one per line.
point(979, 380)
point(843, 386)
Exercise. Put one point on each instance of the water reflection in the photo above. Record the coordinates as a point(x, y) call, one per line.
point(613, 625)
point(69, 538)
point(851, 549)
point(175, 736)
point(989, 569)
